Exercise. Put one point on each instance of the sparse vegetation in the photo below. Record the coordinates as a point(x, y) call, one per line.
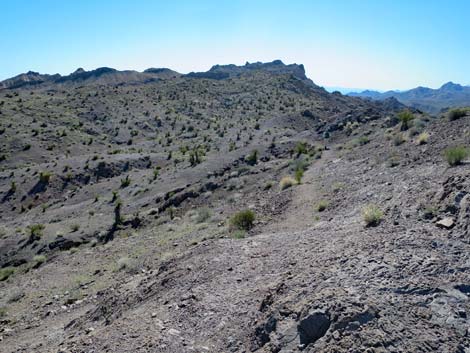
point(125, 182)
point(287, 182)
point(322, 205)
point(372, 215)
point(239, 234)
point(6, 272)
point(299, 173)
point(252, 158)
point(422, 138)
point(38, 260)
point(456, 155)
point(44, 177)
point(203, 214)
point(457, 113)
point(243, 220)
point(405, 117)
point(35, 232)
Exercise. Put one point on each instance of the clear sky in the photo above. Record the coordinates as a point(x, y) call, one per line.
point(381, 44)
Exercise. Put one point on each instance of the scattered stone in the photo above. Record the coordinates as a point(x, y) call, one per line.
point(446, 223)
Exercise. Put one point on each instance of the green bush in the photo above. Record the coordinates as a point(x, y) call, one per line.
point(243, 220)
point(322, 205)
point(300, 148)
point(6, 272)
point(125, 182)
point(456, 155)
point(45, 177)
point(252, 158)
point(405, 118)
point(35, 231)
point(457, 113)
point(38, 260)
point(372, 215)
point(299, 173)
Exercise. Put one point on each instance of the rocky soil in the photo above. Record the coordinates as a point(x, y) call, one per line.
point(173, 275)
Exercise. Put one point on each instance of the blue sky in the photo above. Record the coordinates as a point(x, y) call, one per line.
point(381, 44)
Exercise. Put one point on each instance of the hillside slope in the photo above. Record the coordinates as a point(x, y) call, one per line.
point(116, 231)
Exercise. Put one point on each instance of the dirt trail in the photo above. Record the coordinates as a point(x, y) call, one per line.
point(300, 214)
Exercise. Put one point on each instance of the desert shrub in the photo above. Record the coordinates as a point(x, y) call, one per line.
point(430, 212)
point(300, 148)
point(372, 215)
point(243, 220)
point(322, 205)
point(35, 231)
point(299, 173)
point(124, 263)
point(75, 227)
point(268, 185)
point(45, 177)
point(422, 138)
point(456, 155)
point(287, 182)
point(361, 141)
point(203, 214)
point(125, 182)
point(399, 139)
point(457, 113)
point(299, 164)
point(252, 158)
point(239, 234)
point(6, 272)
point(38, 260)
point(195, 156)
point(405, 118)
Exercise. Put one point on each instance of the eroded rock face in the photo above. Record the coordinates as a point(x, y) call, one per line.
point(313, 326)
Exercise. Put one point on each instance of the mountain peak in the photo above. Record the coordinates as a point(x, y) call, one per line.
point(451, 86)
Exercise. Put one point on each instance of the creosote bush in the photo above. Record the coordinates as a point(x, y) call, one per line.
point(457, 113)
point(456, 155)
point(243, 220)
point(372, 215)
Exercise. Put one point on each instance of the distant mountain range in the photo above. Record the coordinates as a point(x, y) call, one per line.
point(430, 100)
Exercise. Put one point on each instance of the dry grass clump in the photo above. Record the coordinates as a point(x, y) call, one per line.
point(372, 215)
point(287, 182)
